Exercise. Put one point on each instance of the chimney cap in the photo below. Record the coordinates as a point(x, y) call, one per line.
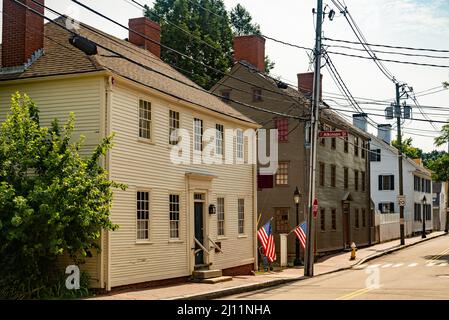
point(357, 115)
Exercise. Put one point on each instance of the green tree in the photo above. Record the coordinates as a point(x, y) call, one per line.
point(408, 149)
point(52, 200)
point(431, 156)
point(183, 22)
point(440, 165)
point(241, 21)
point(242, 25)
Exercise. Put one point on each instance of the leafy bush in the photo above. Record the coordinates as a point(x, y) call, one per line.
point(53, 201)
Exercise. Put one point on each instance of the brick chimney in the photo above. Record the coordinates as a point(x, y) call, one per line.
point(23, 34)
point(250, 49)
point(305, 83)
point(150, 29)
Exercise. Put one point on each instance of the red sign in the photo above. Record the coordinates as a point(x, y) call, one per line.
point(332, 134)
point(315, 208)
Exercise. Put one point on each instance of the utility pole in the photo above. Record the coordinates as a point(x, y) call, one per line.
point(401, 175)
point(309, 255)
point(446, 225)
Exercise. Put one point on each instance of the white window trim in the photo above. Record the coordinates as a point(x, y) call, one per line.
point(150, 210)
point(241, 235)
point(222, 154)
point(152, 121)
point(195, 135)
point(179, 238)
point(170, 108)
point(223, 236)
point(240, 145)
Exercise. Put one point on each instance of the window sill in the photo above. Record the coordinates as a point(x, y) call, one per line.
point(139, 242)
point(146, 141)
point(222, 238)
point(175, 241)
point(242, 236)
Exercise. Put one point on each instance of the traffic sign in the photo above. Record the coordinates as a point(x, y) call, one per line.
point(332, 134)
point(401, 201)
point(315, 208)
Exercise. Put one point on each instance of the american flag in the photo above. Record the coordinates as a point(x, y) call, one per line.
point(300, 232)
point(266, 238)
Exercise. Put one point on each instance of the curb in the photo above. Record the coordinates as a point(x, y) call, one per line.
point(273, 283)
point(388, 251)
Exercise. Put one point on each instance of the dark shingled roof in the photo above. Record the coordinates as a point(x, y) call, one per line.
point(62, 58)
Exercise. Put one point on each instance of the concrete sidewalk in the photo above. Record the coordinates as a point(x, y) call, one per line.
point(239, 284)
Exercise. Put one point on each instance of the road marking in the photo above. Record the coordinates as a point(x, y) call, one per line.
point(387, 265)
point(354, 294)
point(360, 266)
point(430, 264)
point(374, 266)
point(398, 265)
point(412, 264)
point(443, 264)
point(438, 255)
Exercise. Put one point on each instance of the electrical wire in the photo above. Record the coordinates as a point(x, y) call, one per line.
point(162, 45)
point(155, 71)
point(387, 46)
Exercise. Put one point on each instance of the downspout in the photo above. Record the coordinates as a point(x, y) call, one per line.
point(109, 85)
point(255, 215)
point(368, 185)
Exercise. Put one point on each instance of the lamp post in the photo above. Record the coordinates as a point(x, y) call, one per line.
point(296, 199)
point(424, 201)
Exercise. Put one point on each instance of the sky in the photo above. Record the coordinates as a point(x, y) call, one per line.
point(411, 23)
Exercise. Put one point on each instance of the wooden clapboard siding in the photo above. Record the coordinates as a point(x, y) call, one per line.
point(147, 166)
point(56, 99)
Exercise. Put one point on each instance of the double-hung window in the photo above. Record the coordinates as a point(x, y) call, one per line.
point(143, 215)
point(386, 182)
point(241, 215)
point(239, 144)
point(220, 216)
point(173, 127)
point(174, 216)
point(198, 134)
point(145, 120)
point(219, 139)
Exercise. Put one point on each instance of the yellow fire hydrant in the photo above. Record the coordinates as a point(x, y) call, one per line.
point(354, 249)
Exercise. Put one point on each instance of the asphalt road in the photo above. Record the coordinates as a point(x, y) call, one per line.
point(418, 272)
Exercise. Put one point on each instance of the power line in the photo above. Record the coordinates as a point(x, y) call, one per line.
point(382, 115)
point(155, 71)
point(390, 60)
point(167, 47)
point(358, 33)
point(392, 52)
point(340, 83)
point(388, 46)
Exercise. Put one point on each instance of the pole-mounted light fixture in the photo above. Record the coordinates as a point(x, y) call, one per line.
point(296, 196)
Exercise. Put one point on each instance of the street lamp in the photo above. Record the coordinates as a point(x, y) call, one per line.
point(424, 201)
point(296, 199)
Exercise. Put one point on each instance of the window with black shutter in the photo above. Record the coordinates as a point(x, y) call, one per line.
point(391, 207)
point(386, 182)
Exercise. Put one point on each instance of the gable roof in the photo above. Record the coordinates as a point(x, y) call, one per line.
point(62, 58)
point(327, 114)
point(395, 151)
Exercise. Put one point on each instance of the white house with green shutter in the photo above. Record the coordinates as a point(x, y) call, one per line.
point(385, 189)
